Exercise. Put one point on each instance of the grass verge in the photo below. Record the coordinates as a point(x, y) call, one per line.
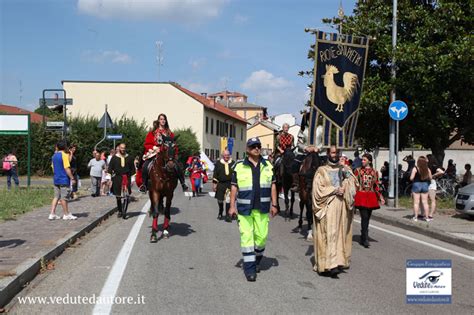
point(18, 201)
point(441, 204)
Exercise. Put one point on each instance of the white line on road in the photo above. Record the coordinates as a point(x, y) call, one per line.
point(115, 276)
point(412, 239)
point(421, 242)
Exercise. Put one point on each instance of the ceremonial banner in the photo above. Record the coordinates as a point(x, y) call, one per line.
point(339, 68)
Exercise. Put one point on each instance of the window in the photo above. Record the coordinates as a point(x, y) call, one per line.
point(217, 154)
point(212, 126)
point(237, 155)
point(207, 124)
point(218, 125)
point(206, 151)
point(212, 155)
point(226, 128)
point(242, 134)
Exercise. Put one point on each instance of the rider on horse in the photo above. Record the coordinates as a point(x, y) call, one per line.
point(153, 144)
point(285, 141)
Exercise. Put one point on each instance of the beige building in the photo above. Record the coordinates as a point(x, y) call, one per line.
point(248, 110)
point(144, 101)
point(267, 132)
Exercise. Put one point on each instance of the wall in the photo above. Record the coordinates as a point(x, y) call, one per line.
point(211, 141)
point(265, 134)
point(142, 101)
point(248, 113)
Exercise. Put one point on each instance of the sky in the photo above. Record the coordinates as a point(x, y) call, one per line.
point(256, 47)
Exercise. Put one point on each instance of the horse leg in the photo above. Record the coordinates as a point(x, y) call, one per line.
point(292, 203)
point(154, 199)
point(309, 218)
point(167, 215)
point(300, 221)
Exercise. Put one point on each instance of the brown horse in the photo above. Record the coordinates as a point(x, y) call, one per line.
point(284, 181)
point(163, 183)
point(308, 168)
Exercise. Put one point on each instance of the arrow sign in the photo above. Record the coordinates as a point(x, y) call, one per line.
point(106, 119)
point(398, 110)
point(115, 137)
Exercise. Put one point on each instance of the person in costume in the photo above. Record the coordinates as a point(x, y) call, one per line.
point(153, 145)
point(333, 196)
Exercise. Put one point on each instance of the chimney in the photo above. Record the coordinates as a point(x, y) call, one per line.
point(204, 95)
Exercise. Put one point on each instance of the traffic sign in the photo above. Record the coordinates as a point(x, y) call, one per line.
point(53, 102)
point(106, 121)
point(115, 137)
point(56, 124)
point(398, 110)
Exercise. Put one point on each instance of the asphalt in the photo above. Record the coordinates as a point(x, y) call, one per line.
point(197, 270)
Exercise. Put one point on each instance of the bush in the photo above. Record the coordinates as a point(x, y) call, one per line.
point(187, 143)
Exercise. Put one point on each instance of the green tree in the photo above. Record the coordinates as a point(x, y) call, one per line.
point(187, 142)
point(434, 59)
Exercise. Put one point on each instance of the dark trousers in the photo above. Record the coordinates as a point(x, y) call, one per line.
point(12, 173)
point(221, 207)
point(365, 218)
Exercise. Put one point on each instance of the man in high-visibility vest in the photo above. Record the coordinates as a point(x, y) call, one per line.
point(254, 197)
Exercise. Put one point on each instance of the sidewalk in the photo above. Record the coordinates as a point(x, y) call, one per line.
point(29, 242)
point(448, 225)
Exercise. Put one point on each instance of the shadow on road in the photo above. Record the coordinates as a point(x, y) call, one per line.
point(356, 238)
point(265, 264)
point(82, 214)
point(11, 243)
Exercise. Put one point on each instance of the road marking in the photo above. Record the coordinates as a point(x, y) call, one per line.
point(115, 276)
point(421, 242)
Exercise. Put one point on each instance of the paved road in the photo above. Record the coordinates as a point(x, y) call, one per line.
point(197, 270)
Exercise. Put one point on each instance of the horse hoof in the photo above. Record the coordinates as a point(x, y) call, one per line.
point(153, 238)
point(166, 234)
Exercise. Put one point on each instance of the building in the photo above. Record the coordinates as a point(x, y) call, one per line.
point(248, 110)
point(267, 132)
point(8, 109)
point(144, 101)
point(227, 97)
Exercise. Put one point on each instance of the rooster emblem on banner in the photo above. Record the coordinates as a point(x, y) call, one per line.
point(336, 94)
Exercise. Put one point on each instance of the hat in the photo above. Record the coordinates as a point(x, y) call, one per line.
point(253, 141)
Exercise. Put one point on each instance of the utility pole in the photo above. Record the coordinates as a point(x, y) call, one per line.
point(393, 171)
point(159, 56)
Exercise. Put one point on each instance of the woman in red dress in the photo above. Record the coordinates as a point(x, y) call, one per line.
point(152, 144)
point(368, 195)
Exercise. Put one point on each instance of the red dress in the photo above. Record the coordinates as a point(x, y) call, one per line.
point(151, 140)
point(368, 193)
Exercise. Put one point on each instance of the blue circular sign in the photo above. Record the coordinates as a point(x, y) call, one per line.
point(398, 110)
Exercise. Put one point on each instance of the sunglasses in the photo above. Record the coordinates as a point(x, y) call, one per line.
point(257, 146)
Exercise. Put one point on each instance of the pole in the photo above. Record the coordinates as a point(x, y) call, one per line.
point(105, 129)
point(391, 190)
point(396, 163)
point(28, 181)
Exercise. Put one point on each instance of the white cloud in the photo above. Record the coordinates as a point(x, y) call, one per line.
point(106, 56)
point(277, 93)
point(175, 10)
point(264, 80)
point(197, 64)
point(240, 19)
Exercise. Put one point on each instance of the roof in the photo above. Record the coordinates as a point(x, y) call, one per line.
point(210, 104)
point(243, 105)
point(8, 109)
point(266, 124)
point(228, 93)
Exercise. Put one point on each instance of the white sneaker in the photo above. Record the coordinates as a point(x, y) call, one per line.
point(54, 217)
point(414, 219)
point(69, 217)
point(309, 237)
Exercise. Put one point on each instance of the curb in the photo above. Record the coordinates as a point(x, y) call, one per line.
point(27, 270)
point(431, 232)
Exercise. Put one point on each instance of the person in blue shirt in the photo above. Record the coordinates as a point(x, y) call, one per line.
point(62, 178)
